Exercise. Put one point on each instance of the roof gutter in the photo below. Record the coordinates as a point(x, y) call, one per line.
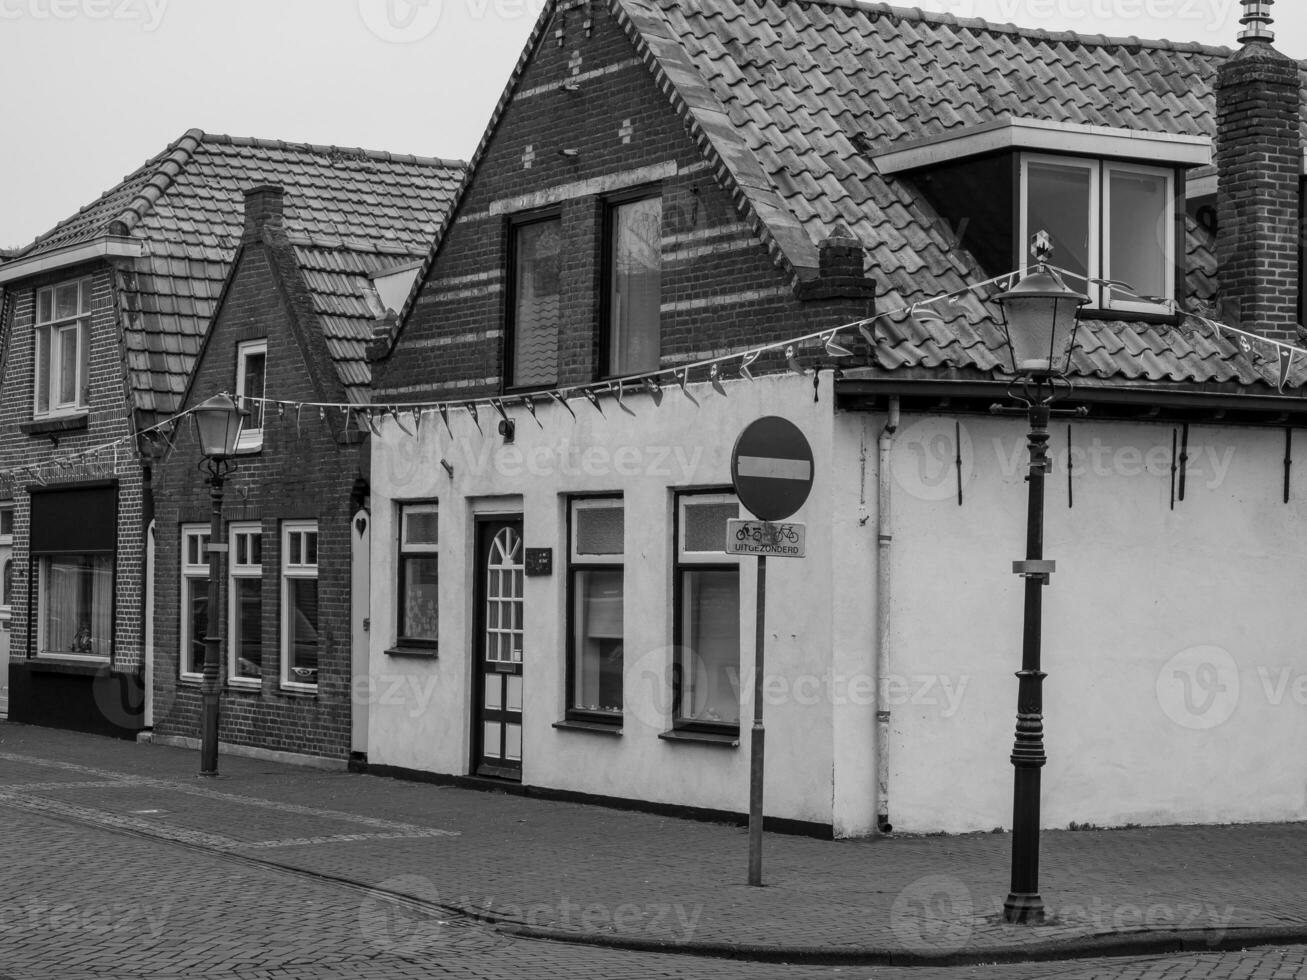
point(106, 247)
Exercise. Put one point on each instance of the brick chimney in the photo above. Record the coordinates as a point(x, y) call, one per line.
point(1258, 166)
point(262, 206)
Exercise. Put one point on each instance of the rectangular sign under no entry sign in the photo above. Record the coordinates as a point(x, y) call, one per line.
point(780, 539)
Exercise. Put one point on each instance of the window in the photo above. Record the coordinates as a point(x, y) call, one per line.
point(1112, 221)
point(595, 602)
point(635, 261)
point(195, 598)
point(63, 343)
point(299, 604)
point(419, 604)
point(537, 251)
point(706, 691)
point(245, 588)
point(251, 369)
point(72, 536)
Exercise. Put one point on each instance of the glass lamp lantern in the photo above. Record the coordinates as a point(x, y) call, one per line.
point(1040, 316)
point(217, 426)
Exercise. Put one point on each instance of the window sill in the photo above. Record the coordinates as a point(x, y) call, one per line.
point(1159, 316)
point(50, 664)
point(298, 691)
point(599, 727)
point(407, 650)
point(706, 738)
point(56, 423)
point(245, 683)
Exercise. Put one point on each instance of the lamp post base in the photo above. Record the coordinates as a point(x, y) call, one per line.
point(1026, 908)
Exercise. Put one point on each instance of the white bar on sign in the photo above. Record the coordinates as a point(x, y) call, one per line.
point(775, 469)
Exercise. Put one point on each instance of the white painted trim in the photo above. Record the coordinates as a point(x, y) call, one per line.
point(199, 570)
point(289, 572)
point(585, 188)
point(101, 248)
point(242, 571)
point(1095, 249)
point(1197, 188)
point(1010, 133)
point(250, 440)
point(1168, 231)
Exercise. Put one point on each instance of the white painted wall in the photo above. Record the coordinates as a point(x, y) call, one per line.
point(1145, 601)
point(820, 611)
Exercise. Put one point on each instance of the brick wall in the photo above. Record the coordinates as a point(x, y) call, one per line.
point(302, 472)
point(1259, 218)
point(108, 419)
point(720, 288)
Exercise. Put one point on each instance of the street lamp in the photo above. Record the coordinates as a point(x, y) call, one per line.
point(1040, 316)
point(217, 427)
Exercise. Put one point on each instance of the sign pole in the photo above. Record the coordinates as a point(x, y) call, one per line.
point(757, 736)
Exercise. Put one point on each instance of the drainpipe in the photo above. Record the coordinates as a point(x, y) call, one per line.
point(884, 537)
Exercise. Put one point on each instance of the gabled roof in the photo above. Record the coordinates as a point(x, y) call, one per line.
point(793, 100)
point(348, 212)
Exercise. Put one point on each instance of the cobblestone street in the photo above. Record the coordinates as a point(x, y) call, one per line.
point(119, 862)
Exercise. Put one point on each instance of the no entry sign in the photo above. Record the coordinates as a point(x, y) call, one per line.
point(771, 467)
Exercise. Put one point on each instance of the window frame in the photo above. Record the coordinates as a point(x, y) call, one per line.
point(190, 572)
point(683, 561)
point(604, 367)
point(288, 573)
point(581, 563)
point(1099, 261)
point(238, 570)
point(79, 324)
point(406, 550)
point(251, 437)
point(515, 224)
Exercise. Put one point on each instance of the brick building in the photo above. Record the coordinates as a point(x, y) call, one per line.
point(665, 182)
point(106, 316)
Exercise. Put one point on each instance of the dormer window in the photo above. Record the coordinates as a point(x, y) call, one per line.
point(1109, 221)
point(63, 344)
point(251, 370)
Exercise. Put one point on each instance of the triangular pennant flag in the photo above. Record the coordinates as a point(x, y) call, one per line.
point(748, 359)
point(394, 413)
point(531, 407)
point(1286, 362)
point(372, 425)
point(498, 405)
point(472, 410)
point(417, 414)
point(793, 361)
point(655, 391)
point(590, 397)
point(867, 335)
point(621, 404)
point(444, 416)
point(715, 377)
point(683, 377)
point(559, 397)
point(834, 348)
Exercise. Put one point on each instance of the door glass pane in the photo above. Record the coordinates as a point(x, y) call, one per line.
point(1138, 221)
point(635, 287)
point(536, 313)
point(710, 630)
point(248, 632)
point(1057, 201)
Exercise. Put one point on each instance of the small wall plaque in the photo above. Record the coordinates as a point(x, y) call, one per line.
point(540, 561)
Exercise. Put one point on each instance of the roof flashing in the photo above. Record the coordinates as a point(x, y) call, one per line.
point(1044, 135)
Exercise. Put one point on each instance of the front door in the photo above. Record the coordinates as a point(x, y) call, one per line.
point(497, 736)
point(6, 611)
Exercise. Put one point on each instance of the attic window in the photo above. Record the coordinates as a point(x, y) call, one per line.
point(63, 343)
point(251, 370)
point(1109, 221)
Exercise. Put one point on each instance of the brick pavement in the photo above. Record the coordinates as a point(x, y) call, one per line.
point(647, 882)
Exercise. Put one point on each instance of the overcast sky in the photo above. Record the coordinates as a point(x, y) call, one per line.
point(90, 89)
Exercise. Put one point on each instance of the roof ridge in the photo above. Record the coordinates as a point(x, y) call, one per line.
point(383, 155)
point(1034, 33)
point(171, 162)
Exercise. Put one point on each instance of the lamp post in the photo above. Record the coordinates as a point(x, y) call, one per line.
point(1040, 316)
point(217, 427)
